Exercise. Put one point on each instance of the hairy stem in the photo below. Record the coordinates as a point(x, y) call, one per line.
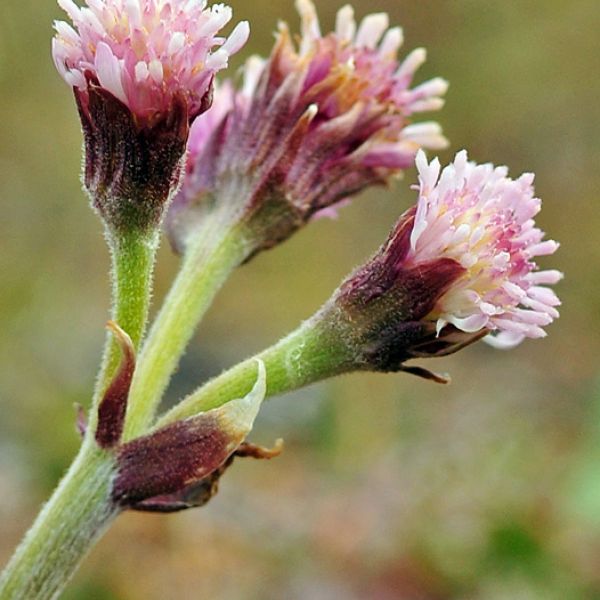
point(207, 263)
point(81, 508)
point(310, 353)
point(70, 523)
point(133, 256)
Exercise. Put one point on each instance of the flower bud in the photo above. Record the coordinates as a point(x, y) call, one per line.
point(309, 127)
point(200, 492)
point(141, 73)
point(173, 459)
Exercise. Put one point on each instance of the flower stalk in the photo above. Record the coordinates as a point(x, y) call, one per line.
point(206, 267)
point(71, 522)
point(81, 507)
point(337, 339)
point(311, 353)
point(133, 258)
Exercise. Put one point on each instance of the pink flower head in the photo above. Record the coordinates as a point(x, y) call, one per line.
point(458, 266)
point(482, 219)
point(142, 71)
point(146, 53)
point(313, 124)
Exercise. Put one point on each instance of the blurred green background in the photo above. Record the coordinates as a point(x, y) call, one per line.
point(389, 487)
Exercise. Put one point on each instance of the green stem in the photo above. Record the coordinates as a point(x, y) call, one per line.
point(207, 263)
point(133, 256)
point(81, 508)
point(311, 353)
point(70, 523)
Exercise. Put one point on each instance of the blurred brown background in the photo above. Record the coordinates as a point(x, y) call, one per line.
point(389, 487)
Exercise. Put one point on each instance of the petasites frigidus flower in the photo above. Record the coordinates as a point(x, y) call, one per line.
point(178, 465)
point(458, 266)
point(142, 71)
point(309, 127)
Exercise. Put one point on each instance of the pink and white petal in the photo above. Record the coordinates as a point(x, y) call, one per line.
point(391, 43)
point(470, 324)
point(549, 277)
point(543, 248)
point(544, 294)
point(310, 27)
point(371, 30)
point(71, 9)
point(238, 38)
point(504, 340)
point(411, 63)
point(345, 25)
point(108, 71)
point(433, 87)
point(427, 134)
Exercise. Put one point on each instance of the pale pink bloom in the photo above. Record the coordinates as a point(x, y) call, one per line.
point(483, 220)
point(146, 53)
point(315, 123)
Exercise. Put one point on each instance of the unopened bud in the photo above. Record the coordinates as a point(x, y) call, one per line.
point(175, 457)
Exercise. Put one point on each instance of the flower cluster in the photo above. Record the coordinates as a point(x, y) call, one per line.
point(324, 117)
point(309, 127)
point(146, 53)
point(321, 119)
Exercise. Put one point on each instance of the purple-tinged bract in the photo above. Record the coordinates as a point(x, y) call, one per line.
point(113, 406)
point(163, 469)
